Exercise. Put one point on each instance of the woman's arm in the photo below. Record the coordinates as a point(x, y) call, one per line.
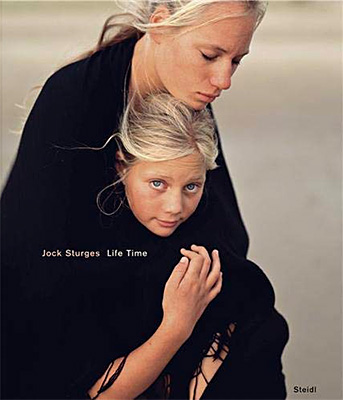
point(188, 291)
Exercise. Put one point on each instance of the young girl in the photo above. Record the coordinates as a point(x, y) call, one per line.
point(164, 152)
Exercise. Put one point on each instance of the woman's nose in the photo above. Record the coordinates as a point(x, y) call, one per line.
point(221, 78)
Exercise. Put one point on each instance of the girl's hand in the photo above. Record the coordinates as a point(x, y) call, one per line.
point(194, 283)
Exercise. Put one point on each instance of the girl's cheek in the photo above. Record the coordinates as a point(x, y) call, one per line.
point(138, 196)
point(198, 199)
point(144, 191)
point(192, 205)
point(149, 199)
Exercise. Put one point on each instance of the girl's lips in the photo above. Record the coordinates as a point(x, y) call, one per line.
point(167, 224)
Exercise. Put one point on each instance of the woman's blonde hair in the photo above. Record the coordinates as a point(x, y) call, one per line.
point(134, 18)
point(161, 128)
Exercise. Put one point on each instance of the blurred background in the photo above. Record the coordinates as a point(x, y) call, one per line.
point(281, 125)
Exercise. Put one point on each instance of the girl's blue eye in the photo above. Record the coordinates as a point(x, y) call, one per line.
point(156, 184)
point(191, 187)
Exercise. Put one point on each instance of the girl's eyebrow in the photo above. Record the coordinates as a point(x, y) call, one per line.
point(155, 174)
point(166, 177)
point(198, 178)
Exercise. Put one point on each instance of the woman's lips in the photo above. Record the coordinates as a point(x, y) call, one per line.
point(167, 224)
point(206, 97)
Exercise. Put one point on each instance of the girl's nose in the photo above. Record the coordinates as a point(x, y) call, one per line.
point(173, 202)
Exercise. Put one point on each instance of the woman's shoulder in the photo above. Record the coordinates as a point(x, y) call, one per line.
point(102, 70)
point(78, 76)
point(268, 333)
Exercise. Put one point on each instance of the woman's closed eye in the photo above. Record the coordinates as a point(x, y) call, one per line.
point(236, 61)
point(209, 57)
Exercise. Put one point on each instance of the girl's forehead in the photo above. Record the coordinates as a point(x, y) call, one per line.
point(192, 165)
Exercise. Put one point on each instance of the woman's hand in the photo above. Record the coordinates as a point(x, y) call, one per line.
point(194, 283)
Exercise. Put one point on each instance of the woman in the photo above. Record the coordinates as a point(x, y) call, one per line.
point(48, 202)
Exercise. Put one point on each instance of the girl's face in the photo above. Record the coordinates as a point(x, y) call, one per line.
point(162, 195)
point(196, 66)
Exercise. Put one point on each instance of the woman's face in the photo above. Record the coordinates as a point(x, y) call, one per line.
point(196, 66)
point(162, 195)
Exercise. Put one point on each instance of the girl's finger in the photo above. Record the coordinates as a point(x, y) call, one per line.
point(189, 253)
point(196, 262)
point(178, 273)
point(215, 270)
point(216, 288)
point(207, 260)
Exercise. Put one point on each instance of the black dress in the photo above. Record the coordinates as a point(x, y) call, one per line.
point(65, 318)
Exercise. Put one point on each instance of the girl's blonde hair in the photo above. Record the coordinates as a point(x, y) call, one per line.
point(161, 128)
point(134, 18)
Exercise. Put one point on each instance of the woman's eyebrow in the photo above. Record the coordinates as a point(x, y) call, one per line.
point(221, 50)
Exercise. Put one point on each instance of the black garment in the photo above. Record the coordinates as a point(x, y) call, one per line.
point(64, 319)
point(253, 369)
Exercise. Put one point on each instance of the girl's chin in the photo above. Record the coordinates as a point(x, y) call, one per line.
point(161, 231)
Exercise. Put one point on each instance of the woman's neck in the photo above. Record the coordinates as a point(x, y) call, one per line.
point(144, 78)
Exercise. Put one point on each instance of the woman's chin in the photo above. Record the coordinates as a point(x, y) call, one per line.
point(198, 105)
point(193, 102)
